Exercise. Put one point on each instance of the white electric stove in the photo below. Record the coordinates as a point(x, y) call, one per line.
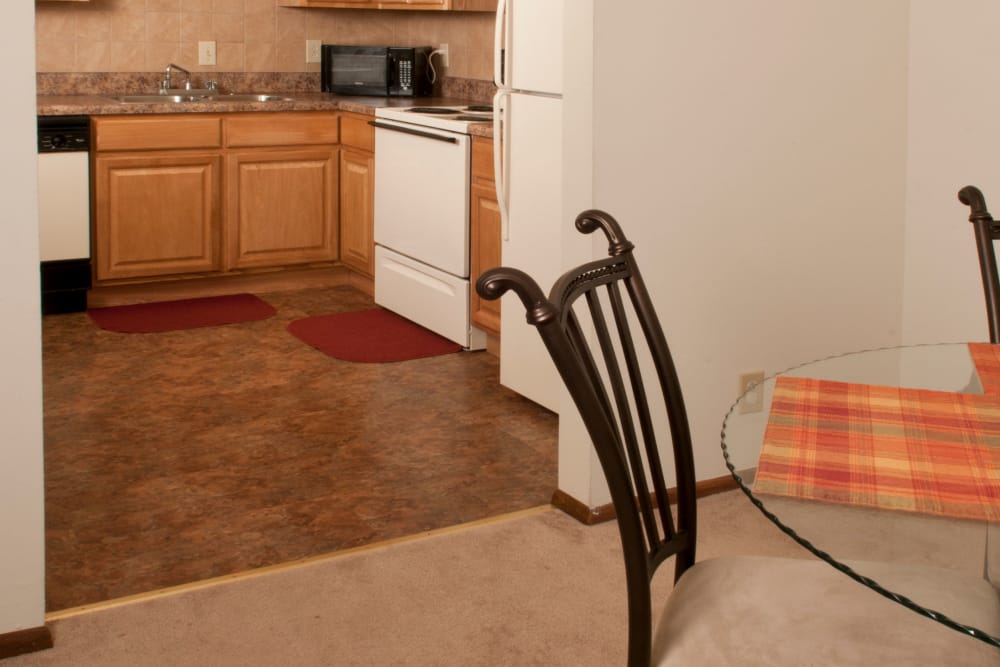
point(422, 177)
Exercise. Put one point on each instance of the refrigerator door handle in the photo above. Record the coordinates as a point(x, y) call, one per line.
point(501, 157)
point(499, 34)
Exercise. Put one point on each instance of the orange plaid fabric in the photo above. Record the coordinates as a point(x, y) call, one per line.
point(886, 447)
point(986, 357)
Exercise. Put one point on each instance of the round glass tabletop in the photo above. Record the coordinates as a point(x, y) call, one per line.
point(885, 464)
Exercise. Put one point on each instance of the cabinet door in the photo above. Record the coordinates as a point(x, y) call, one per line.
point(357, 213)
point(281, 207)
point(485, 251)
point(156, 215)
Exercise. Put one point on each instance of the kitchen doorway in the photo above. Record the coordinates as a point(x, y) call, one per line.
point(181, 456)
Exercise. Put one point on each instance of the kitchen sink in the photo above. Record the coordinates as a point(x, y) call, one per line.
point(182, 99)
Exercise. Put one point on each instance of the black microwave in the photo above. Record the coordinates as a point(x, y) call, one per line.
point(395, 71)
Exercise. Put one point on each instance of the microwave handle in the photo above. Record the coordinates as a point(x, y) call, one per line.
point(390, 77)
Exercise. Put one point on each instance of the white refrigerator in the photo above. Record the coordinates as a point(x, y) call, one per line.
point(528, 143)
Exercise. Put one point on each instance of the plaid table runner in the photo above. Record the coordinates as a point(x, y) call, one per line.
point(986, 357)
point(885, 447)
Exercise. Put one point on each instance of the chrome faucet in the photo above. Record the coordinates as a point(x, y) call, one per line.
point(165, 85)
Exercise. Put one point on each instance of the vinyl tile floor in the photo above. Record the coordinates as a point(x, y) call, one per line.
point(181, 456)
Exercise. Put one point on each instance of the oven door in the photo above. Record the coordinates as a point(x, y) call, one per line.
point(422, 194)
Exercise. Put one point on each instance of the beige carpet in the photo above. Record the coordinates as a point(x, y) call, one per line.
point(532, 588)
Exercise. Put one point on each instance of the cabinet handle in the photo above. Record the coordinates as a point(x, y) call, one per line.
point(407, 130)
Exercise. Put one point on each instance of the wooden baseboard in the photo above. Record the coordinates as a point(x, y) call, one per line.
point(593, 515)
point(25, 641)
point(251, 281)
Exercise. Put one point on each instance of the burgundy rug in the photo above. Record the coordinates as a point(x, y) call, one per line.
point(373, 335)
point(182, 314)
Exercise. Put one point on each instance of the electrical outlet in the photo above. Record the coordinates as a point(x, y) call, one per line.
point(206, 53)
point(443, 55)
point(314, 50)
point(752, 391)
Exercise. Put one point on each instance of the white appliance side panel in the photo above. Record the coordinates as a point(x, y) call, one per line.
point(534, 240)
point(536, 45)
point(422, 197)
point(63, 206)
point(433, 299)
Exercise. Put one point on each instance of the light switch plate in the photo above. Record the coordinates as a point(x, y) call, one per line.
point(206, 53)
point(314, 50)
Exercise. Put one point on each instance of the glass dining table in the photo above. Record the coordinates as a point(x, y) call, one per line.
point(887, 456)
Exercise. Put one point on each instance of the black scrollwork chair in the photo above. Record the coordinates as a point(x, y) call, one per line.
point(987, 231)
point(739, 610)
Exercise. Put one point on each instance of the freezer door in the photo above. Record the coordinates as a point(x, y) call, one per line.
point(535, 41)
point(533, 240)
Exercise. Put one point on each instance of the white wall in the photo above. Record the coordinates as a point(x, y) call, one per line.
point(755, 152)
point(22, 551)
point(954, 121)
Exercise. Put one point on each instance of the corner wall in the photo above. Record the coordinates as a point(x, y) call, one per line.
point(22, 521)
point(954, 104)
point(760, 169)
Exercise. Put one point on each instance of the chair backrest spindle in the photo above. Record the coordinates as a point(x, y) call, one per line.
point(987, 231)
point(602, 362)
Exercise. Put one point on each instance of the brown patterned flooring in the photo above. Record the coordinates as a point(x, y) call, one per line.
point(180, 456)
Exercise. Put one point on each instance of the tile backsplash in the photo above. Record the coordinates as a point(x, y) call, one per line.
point(250, 35)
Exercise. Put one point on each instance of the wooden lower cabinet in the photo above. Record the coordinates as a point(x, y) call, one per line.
point(357, 210)
point(182, 194)
point(485, 233)
point(281, 207)
point(156, 215)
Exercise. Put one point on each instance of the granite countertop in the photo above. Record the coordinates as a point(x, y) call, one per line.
point(101, 105)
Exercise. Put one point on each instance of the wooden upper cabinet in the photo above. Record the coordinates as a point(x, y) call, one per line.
point(438, 5)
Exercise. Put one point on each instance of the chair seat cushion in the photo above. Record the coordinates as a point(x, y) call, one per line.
point(753, 610)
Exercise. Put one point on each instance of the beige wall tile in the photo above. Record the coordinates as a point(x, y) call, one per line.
point(230, 57)
point(163, 5)
point(259, 57)
point(93, 56)
point(93, 26)
point(129, 57)
point(163, 27)
point(196, 27)
point(128, 27)
point(56, 56)
point(250, 35)
point(228, 27)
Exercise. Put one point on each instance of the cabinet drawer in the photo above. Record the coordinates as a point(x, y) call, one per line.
point(281, 129)
point(482, 158)
point(357, 133)
point(159, 132)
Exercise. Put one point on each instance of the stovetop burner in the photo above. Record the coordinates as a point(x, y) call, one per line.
point(479, 107)
point(474, 117)
point(433, 110)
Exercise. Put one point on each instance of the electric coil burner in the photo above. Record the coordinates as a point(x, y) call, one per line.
point(455, 118)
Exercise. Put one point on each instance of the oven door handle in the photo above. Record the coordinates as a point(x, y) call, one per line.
point(407, 130)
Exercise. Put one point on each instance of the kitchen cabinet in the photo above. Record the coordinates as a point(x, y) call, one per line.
point(281, 193)
point(357, 194)
point(417, 5)
point(183, 194)
point(485, 233)
point(156, 196)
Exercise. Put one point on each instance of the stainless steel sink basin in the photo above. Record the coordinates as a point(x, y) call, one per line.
point(182, 99)
point(237, 97)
